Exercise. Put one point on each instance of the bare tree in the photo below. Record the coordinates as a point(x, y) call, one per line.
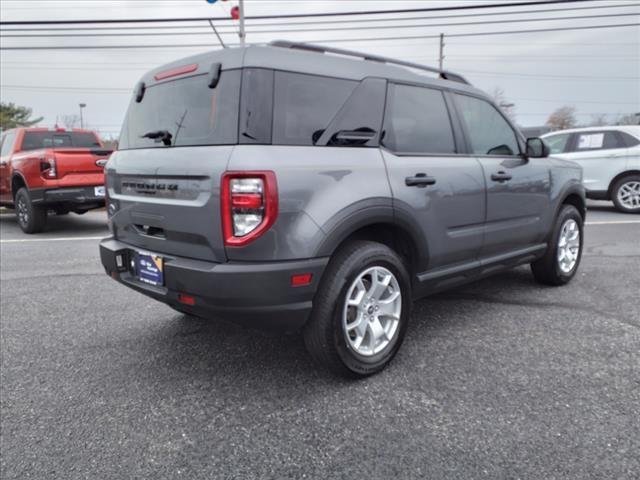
point(507, 107)
point(562, 118)
point(628, 119)
point(599, 120)
point(70, 121)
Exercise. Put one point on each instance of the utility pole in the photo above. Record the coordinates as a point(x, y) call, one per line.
point(242, 32)
point(441, 57)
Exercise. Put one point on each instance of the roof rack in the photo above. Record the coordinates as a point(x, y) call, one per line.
point(445, 74)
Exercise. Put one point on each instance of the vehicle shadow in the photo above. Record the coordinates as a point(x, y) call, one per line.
point(204, 350)
point(91, 222)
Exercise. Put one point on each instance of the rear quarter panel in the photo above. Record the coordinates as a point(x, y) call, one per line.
point(321, 189)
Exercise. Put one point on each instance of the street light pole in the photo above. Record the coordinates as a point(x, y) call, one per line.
point(82, 105)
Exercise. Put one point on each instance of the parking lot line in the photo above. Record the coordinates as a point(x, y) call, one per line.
point(74, 239)
point(612, 222)
point(57, 239)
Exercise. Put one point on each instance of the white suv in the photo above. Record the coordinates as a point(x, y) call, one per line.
point(610, 158)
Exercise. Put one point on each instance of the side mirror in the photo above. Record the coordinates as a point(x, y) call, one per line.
point(536, 148)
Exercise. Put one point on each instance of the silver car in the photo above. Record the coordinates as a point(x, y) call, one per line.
point(610, 158)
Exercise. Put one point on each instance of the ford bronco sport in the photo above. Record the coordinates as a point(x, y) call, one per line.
point(44, 170)
point(302, 187)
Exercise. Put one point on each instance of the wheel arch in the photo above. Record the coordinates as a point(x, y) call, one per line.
point(17, 182)
point(381, 225)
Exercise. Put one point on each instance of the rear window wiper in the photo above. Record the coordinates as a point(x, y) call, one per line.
point(163, 135)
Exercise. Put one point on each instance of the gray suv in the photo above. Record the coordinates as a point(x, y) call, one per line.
point(308, 188)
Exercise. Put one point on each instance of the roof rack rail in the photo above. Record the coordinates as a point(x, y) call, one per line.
point(445, 74)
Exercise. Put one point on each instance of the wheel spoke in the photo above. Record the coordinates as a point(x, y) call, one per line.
point(378, 286)
point(376, 332)
point(388, 310)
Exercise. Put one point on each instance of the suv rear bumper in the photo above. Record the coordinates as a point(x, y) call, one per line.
point(76, 196)
point(254, 294)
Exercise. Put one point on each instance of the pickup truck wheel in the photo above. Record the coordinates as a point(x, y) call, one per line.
point(361, 310)
point(31, 218)
point(562, 258)
point(626, 194)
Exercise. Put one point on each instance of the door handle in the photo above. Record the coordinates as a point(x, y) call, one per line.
point(501, 176)
point(419, 180)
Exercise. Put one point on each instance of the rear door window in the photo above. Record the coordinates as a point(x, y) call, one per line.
point(488, 131)
point(417, 121)
point(188, 109)
point(588, 141)
point(304, 106)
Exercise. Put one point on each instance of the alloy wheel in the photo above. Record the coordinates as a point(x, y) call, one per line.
point(568, 246)
point(23, 212)
point(372, 311)
point(629, 194)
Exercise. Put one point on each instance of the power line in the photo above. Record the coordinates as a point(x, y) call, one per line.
point(313, 30)
point(339, 40)
point(298, 15)
point(319, 22)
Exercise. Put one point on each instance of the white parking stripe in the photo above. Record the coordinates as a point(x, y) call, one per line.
point(75, 239)
point(58, 239)
point(612, 222)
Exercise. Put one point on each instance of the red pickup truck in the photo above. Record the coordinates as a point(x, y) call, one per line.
point(44, 170)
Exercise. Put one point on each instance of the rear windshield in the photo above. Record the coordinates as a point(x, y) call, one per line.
point(191, 112)
point(38, 140)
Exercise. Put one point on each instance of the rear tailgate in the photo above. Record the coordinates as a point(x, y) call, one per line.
point(168, 200)
point(74, 164)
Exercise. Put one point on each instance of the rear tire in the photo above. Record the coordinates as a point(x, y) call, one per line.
point(562, 258)
point(626, 194)
point(366, 284)
point(31, 218)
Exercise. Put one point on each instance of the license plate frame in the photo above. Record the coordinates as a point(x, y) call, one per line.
point(149, 268)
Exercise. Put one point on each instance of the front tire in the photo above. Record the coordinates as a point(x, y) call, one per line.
point(562, 258)
point(361, 310)
point(626, 194)
point(31, 218)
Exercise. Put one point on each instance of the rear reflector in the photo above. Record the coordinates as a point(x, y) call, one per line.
point(301, 280)
point(174, 72)
point(186, 299)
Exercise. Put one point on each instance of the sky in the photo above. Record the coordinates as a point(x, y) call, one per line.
point(597, 71)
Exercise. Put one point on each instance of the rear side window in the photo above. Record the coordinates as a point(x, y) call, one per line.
point(38, 140)
point(557, 143)
point(488, 131)
point(629, 140)
point(256, 106)
point(597, 141)
point(417, 121)
point(304, 106)
point(188, 109)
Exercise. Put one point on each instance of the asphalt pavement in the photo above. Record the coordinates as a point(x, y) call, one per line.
point(499, 379)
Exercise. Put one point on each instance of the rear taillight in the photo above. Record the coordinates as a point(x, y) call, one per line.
point(48, 167)
point(249, 205)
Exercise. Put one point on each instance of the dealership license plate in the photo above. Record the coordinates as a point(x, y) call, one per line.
point(149, 268)
point(99, 191)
